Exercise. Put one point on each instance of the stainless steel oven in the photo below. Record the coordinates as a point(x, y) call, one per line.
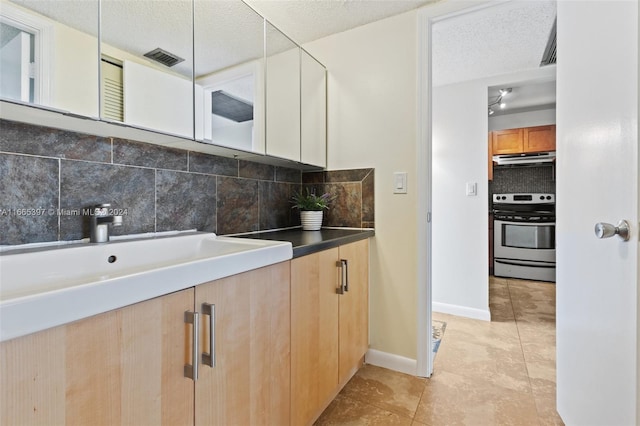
point(524, 236)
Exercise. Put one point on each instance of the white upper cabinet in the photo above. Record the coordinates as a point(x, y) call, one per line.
point(213, 71)
point(313, 111)
point(282, 95)
point(48, 52)
point(151, 42)
point(229, 75)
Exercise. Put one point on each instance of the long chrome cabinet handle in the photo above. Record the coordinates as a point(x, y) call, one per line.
point(191, 371)
point(210, 358)
point(345, 268)
point(344, 276)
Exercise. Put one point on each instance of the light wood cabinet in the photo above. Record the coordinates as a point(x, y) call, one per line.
point(120, 367)
point(286, 339)
point(354, 310)
point(250, 382)
point(329, 334)
point(127, 366)
point(314, 334)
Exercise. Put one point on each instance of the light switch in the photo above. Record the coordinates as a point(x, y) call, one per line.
point(472, 189)
point(400, 183)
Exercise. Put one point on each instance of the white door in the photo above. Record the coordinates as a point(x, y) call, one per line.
point(597, 181)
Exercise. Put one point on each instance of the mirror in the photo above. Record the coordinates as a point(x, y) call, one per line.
point(313, 119)
point(147, 65)
point(283, 95)
point(229, 77)
point(48, 54)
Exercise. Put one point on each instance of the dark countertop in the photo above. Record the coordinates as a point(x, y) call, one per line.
point(307, 242)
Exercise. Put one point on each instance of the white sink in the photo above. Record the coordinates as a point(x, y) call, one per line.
point(41, 288)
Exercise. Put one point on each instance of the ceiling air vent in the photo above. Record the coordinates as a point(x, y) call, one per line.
point(549, 55)
point(164, 57)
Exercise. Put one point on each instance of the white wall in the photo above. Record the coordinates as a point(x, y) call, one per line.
point(372, 123)
point(460, 222)
point(460, 239)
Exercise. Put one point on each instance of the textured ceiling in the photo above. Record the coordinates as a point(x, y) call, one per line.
point(505, 38)
point(307, 20)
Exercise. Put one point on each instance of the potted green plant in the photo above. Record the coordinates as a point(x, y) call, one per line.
point(311, 208)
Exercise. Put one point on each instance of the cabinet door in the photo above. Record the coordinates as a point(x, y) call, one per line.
point(250, 382)
point(509, 141)
point(314, 334)
point(120, 367)
point(540, 139)
point(313, 111)
point(282, 89)
point(354, 310)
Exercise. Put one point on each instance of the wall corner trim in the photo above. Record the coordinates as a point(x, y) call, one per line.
point(462, 311)
point(391, 361)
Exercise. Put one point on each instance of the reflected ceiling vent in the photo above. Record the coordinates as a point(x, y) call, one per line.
point(228, 106)
point(164, 57)
point(549, 55)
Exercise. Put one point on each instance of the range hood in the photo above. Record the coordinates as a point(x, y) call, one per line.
point(540, 157)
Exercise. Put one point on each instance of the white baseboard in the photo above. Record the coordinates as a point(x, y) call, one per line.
point(462, 311)
point(391, 361)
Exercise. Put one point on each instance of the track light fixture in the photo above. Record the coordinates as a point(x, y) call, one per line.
point(498, 100)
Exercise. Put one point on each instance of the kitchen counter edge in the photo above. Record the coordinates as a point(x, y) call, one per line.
point(309, 242)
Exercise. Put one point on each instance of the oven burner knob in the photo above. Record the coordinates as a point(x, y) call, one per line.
point(548, 197)
point(504, 198)
point(542, 197)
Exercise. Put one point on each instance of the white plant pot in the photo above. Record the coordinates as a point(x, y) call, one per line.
point(311, 220)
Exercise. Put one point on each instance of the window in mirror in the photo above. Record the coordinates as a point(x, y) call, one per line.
point(229, 63)
point(17, 63)
point(283, 95)
point(145, 36)
point(49, 54)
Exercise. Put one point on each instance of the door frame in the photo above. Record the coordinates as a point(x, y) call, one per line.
point(428, 16)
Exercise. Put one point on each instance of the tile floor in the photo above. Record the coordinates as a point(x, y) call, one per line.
point(485, 373)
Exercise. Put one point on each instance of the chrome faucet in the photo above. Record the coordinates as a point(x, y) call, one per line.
point(99, 219)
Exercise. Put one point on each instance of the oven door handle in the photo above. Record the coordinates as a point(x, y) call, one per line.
point(528, 264)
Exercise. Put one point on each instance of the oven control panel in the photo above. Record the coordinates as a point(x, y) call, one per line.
point(524, 198)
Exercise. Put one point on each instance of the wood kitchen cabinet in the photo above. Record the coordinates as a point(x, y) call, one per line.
point(523, 140)
point(507, 141)
point(329, 329)
point(354, 310)
point(539, 139)
point(250, 381)
point(127, 366)
point(120, 367)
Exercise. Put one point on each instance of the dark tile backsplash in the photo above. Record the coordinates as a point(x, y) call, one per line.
point(160, 189)
point(83, 184)
point(513, 179)
point(28, 183)
point(354, 189)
